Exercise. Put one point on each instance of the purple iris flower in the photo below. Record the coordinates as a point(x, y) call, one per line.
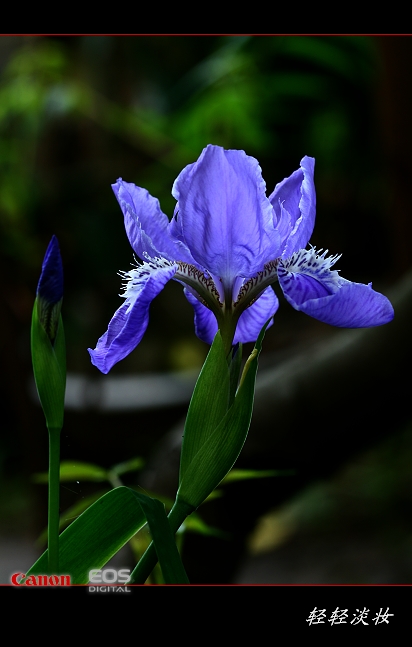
point(227, 243)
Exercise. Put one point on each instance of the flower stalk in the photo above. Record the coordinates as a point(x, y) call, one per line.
point(54, 500)
point(49, 368)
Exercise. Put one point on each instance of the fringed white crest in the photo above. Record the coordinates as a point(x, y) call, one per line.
point(315, 264)
point(135, 279)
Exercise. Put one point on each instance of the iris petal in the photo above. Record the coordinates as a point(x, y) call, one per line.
point(226, 218)
point(336, 301)
point(129, 322)
point(147, 227)
point(294, 204)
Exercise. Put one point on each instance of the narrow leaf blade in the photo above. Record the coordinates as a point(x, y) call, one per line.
point(209, 403)
point(163, 539)
point(94, 537)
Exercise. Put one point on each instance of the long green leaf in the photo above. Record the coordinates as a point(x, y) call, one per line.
point(209, 403)
point(163, 539)
point(71, 514)
point(94, 537)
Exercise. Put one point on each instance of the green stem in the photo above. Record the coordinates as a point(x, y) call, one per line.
point(54, 495)
point(176, 516)
point(227, 330)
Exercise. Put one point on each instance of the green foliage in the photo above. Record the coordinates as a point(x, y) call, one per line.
point(77, 470)
point(94, 537)
point(28, 79)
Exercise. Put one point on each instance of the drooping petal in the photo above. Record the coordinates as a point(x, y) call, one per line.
point(225, 217)
point(310, 286)
point(355, 305)
point(129, 322)
point(294, 203)
point(252, 320)
point(147, 227)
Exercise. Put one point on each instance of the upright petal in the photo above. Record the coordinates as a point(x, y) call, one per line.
point(311, 287)
point(226, 218)
point(294, 203)
point(147, 227)
point(129, 322)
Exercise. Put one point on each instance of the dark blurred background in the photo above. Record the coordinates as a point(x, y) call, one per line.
point(76, 113)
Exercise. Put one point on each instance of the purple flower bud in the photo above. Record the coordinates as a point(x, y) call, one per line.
point(50, 286)
point(50, 289)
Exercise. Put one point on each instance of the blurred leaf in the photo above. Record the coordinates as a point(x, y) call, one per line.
point(331, 53)
point(225, 113)
point(195, 524)
point(242, 475)
point(132, 465)
point(73, 471)
point(78, 470)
